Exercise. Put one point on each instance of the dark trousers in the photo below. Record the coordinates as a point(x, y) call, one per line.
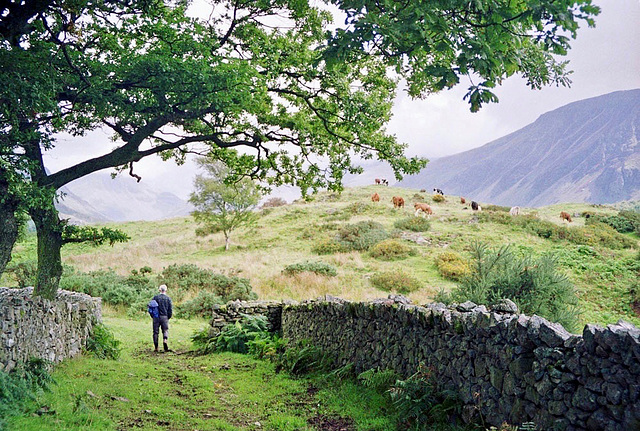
point(160, 322)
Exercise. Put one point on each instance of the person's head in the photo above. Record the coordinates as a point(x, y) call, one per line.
point(162, 288)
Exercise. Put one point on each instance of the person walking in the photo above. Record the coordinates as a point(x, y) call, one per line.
point(163, 315)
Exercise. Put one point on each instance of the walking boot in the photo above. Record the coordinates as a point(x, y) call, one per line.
point(166, 346)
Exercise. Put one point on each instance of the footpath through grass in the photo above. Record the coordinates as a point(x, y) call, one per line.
point(182, 391)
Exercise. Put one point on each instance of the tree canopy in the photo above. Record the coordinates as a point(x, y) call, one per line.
point(267, 77)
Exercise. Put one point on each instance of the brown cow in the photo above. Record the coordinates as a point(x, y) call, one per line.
point(377, 180)
point(398, 202)
point(463, 200)
point(422, 208)
point(565, 216)
point(375, 197)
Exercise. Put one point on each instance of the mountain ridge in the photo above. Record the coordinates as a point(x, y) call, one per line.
point(100, 198)
point(586, 151)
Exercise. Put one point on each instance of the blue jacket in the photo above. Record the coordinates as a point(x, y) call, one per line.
point(164, 305)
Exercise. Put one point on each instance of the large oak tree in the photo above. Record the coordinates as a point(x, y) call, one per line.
point(267, 77)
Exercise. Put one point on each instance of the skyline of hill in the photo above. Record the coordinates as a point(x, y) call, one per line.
point(99, 198)
point(586, 151)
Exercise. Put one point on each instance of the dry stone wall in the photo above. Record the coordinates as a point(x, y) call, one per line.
point(503, 365)
point(50, 329)
point(234, 310)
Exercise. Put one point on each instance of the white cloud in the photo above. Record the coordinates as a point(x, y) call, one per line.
point(604, 59)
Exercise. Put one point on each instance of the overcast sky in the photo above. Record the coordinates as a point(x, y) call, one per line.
point(604, 59)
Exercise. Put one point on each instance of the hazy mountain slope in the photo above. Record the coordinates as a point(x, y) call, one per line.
point(97, 197)
point(586, 151)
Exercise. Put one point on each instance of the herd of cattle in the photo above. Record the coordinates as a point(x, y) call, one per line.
point(423, 209)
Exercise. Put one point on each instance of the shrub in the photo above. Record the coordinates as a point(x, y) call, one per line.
point(533, 284)
point(605, 236)
point(113, 288)
point(24, 272)
point(327, 246)
point(452, 266)
point(274, 202)
point(302, 358)
point(268, 347)
point(201, 305)
point(94, 283)
point(391, 249)
point(414, 224)
point(395, 281)
point(120, 294)
point(22, 384)
point(418, 197)
point(379, 381)
point(320, 268)
point(623, 222)
point(189, 277)
point(357, 208)
point(361, 236)
point(203, 342)
point(420, 404)
point(102, 344)
point(438, 198)
point(234, 337)
point(593, 234)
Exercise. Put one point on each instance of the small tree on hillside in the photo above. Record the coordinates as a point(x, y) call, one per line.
point(222, 206)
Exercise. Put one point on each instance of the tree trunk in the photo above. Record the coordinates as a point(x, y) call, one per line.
point(227, 242)
point(8, 224)
point(49, 229)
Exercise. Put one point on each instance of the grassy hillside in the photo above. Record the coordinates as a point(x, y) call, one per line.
point(603, 276)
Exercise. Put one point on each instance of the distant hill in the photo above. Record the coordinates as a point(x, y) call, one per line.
point(586, 151)
point(99, 198)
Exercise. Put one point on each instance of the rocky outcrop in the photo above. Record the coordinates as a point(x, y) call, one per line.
point(54, 330)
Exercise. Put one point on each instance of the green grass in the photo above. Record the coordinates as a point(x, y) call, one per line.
point(288, 234)
point(183, 391)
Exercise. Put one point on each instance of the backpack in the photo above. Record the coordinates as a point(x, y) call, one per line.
point(152, 308)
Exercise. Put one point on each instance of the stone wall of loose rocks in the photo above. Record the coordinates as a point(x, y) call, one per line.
point(503, 365)
point(54, 330)
point(233, 311)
